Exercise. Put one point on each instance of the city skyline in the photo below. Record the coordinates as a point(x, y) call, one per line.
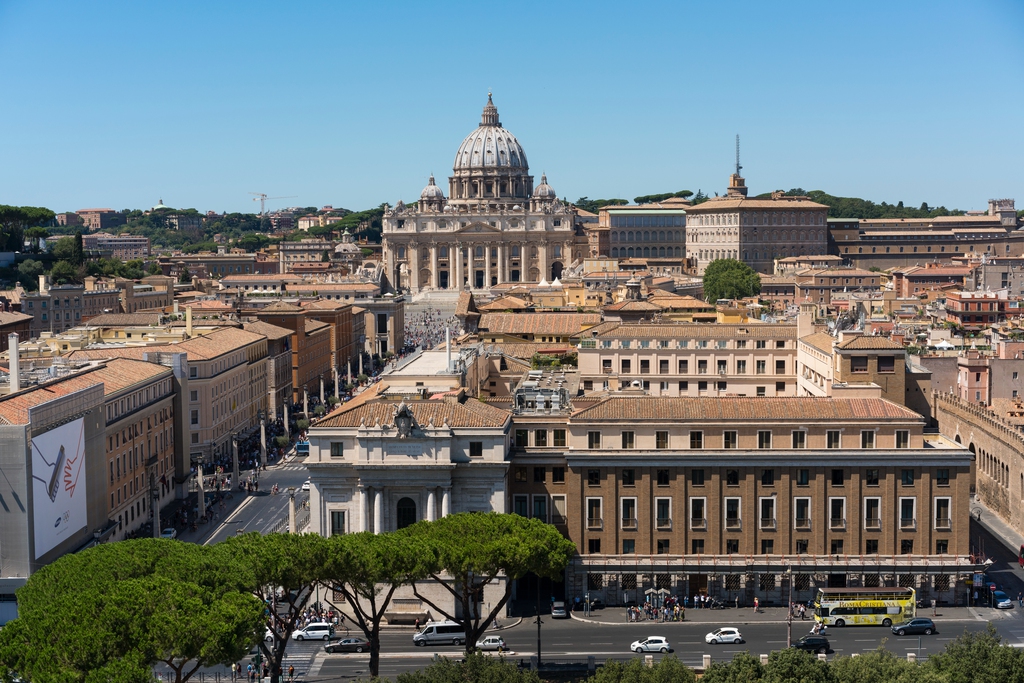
point(204, 105)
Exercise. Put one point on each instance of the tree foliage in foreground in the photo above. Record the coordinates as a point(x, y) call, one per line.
point(472, 550)
point(15, 220)
point(730, 279)
point(110, 613)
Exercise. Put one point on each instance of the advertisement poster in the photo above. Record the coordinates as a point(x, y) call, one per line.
point(58, 485)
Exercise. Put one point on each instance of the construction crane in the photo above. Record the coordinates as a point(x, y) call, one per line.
point(262, 199)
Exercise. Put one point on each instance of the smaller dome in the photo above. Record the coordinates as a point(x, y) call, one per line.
point(432, 191)
point(160, 205)
point(544, 191)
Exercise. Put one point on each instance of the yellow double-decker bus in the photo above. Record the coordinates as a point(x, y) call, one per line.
point(864, 606)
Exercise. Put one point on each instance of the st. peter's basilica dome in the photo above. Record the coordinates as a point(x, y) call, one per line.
point(490, 146)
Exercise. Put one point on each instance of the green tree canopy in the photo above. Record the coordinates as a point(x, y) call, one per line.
point(655, 198)
point(730, 279)
point(64, 249)
point(472, 550)
point(280, 568)
point(64, 272)
point(29, 271)
point(15, 220)
point(594, 205)
point(111, 612)
point(476, 668)
point(744, 668)
point(367, 568)
point(668, 670)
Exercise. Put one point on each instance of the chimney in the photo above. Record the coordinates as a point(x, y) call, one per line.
point(15, 361)
point(188, 322)
point(175, 307)
point(280, 259)
point(44, 284)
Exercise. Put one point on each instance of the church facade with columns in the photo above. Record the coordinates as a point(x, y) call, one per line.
point(494, 226)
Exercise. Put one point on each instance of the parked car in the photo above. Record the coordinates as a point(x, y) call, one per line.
point(1001, 600)
point(169, 532)
point(724, 635)
point(314, 631)
point(919, 625)
point(651, 644)
point(817, 644)
point(491, 643)
point(349, 645)
point(558, 610)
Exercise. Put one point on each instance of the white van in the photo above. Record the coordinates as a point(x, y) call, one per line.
point(314, 631)
point(440, 633)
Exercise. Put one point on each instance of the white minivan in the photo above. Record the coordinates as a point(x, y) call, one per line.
point(314, 631)
point(440, 633)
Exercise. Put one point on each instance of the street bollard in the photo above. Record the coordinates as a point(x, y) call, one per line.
point(649, 661)
point(822, 657)
point(764, 660)
point(855, 654)
point(707, 663)
point(911, 657)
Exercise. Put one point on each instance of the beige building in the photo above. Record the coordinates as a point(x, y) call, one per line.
point(494, 226)
point(689, 359)
point(755, 231)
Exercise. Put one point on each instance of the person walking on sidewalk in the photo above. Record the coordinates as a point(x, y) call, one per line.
point(757, 605)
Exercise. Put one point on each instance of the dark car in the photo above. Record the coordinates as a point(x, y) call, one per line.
point(349, 645)
point(817, 644)
point(925, 626)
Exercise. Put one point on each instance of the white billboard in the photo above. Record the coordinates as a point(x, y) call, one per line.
point(58, 485)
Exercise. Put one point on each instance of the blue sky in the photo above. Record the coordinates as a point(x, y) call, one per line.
point(120, 104)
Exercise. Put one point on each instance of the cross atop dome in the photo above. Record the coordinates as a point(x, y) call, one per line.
point(490, 116)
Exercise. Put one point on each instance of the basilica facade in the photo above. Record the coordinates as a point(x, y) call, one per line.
point(494, 226)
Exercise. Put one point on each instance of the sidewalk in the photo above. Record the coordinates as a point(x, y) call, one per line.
point(745, 616)
point(990, 521)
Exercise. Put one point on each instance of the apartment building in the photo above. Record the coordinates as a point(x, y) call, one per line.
point(94, 220)
point(122, 247)
point(151, 293)
point(304, 251)
point(214, 265)
point(687, 359)
point(345, 347)
point(56, 308)
point(819, 285)
point(724, 495)
point(279, 363)
point(311, 343)
point(976, 310)
point(139, 417)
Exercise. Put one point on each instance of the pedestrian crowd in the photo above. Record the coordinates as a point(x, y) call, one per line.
point(426, 329)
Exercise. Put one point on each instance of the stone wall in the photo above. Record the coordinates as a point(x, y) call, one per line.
point(998, 448)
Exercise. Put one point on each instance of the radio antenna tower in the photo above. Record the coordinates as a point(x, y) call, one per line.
point(738, 167)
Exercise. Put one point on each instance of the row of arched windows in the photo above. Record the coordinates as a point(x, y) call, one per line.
point(647, 252)
point(646, 236)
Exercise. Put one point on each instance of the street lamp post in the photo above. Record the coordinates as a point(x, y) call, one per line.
point(321, 388)
point(291, 510)
point(234, 459)
point(263, 439)
point(789, 619)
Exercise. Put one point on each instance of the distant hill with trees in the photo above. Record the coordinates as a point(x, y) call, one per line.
point(855, 207)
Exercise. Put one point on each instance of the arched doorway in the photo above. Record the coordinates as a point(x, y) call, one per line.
point(556, 270)
point(406, 513)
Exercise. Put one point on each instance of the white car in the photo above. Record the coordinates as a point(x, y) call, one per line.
point(651, 644)
point(169, 532)
point(724, 635)
point(305, 485)
point(491, 643)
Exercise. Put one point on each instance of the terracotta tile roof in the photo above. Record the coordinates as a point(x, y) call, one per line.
point(525, 350)
point(748, 409)
point(755, 330)
point(211, 345)
point(280, 307)
point(124, 320)
point(868, 342)
point(267, 330)
point(782, 204)
point(506, 303)
point(12, 317)
point(116, 376)
point(819, 340)
point(315, 326)
point(537, 323)
point(334, 287)
point(324, 305)
point(470, 414)
point(260, 277)
point(465, 305)
point(640, 306)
